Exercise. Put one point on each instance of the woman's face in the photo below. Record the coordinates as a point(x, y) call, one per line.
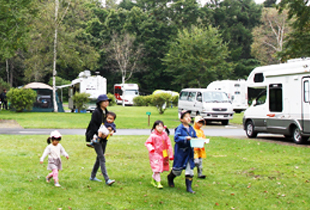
point(104, 104)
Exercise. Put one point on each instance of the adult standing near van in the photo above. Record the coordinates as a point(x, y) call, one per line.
point(98, 117)
point(4, 100)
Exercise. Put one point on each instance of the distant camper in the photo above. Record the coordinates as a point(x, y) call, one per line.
point(283, 105)
point(125, 93)
point(236, 91)
point(211, 105)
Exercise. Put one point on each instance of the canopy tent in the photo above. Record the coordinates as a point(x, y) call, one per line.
point(44, 100)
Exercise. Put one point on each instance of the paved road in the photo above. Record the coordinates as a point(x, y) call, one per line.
point(209, 131)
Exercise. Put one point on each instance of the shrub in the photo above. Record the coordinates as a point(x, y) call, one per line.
point(148, 100)
point(80, 100)
point(161, 101)
point(4, 85)
point(113, 99)
point(21, 99)
point(175, 100)
point(139, 101)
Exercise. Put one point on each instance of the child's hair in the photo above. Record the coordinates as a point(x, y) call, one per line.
point(112, 114)
point(50, 139)
point(157, 122)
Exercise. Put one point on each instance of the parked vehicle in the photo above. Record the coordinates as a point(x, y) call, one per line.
point(125, 93)
point(236, 91)
point(85, 83)
point(211, 105)
point(283, 106)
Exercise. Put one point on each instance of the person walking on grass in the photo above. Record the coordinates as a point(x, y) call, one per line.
point(54, 150)
point(199, 153)
point(160, 151)
point(183, 152)
point(98, 118)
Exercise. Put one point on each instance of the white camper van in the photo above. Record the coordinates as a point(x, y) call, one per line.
point(124, 93)
point(236, 91)
point(85, 83)
point(211, 105)
point(283, 105)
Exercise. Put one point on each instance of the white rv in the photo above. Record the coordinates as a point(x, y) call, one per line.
point(236, 91)
point(125, 93)
point(283, 105)
point(85, 83)
point(211, 105)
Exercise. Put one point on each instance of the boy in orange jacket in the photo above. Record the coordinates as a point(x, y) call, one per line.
point(199, 153)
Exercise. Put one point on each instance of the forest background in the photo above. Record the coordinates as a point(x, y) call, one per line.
point(159, 44)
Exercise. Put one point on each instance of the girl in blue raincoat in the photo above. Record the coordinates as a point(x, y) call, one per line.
point(183, 152)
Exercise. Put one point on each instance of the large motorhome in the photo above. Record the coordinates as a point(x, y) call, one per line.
point(85, 83)
point(236, 91)
point(211, 105)
point(125, 93)
point(283, 105)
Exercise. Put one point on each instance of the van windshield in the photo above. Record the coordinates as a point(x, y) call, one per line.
point(215, 97)
point(131, 92)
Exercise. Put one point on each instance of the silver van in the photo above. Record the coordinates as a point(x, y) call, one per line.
point(211, 105)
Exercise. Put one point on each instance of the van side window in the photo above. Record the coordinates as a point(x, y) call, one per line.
point(192, 96)
point(261, 98)
point(275, 98)
point(306, 91)
point(259, 77)
point(183, 95)
point(199, 97)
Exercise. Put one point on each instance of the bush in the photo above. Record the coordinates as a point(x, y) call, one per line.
point(139, 101)
point(80, 99)
point(113, 99)
point(161, 101)
point(21, 99)
point(4, 85)
point(175, 100)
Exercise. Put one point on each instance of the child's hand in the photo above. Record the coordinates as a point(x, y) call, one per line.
point(67, 157)
point(111, 133)
point(188, 137)
point(41, 162)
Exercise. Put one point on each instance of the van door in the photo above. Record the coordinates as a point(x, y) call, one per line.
point(275, 122)
point(198, 103)
point(306, 105)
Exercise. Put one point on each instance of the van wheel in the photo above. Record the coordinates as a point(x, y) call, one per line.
point(249, 130)
point(297, 138)
point(224, 122)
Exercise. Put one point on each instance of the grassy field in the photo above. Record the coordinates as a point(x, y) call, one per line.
point(127, 117)
point(241, 174)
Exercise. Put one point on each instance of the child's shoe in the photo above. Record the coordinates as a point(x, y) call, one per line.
point(91, 144)
point(95, 179)
point(110, 182)
point(47, 179)
point(57, 184)
point(154, 183)
point(159, 186)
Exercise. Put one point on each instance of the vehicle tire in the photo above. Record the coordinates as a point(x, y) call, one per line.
point(224, 122)
point(238, 111)
point(249, 129)
point(297, 138)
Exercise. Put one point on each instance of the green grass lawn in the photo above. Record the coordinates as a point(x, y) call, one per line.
point(127, 117)
point(241, 174)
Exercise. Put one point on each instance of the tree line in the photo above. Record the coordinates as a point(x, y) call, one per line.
point(163, 44)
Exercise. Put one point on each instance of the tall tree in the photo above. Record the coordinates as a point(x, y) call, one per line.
point(197, 57)
point(299, 39)
point(270, 36)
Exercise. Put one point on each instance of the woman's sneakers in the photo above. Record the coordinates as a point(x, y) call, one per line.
point(110, 182)
point(156, 184)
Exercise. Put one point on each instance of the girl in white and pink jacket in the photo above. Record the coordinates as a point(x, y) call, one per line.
point(160, 151)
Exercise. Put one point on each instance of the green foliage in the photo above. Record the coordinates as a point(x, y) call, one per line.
point(113, 100)
point(139, 101)
point(175, 100)
point(4, 85)
point(198, 57)
point(59, 82)
point(80, 100)
point(21, 99)
point(161, 101)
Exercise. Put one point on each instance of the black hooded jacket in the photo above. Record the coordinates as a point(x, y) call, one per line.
point(97, 118)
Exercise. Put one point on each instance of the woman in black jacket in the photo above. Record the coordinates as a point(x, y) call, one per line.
point(98, 117)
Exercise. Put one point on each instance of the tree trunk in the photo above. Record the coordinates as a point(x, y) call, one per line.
point(7, 70)
point(55, 56)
